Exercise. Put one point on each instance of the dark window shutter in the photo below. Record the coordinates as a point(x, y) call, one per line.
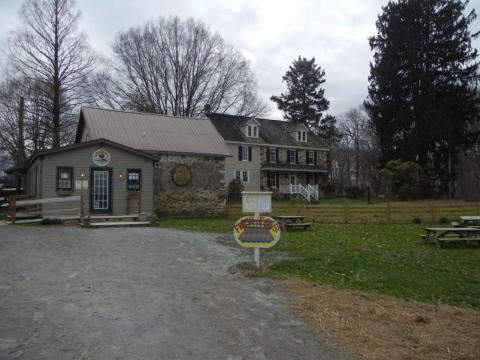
point(276, 156)
point(240, 153)
point(268, 154)
point(249, 153)
point(277, 175)
point(296, 157)
point(314, 158)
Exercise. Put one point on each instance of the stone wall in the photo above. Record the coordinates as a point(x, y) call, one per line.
point(204, 195)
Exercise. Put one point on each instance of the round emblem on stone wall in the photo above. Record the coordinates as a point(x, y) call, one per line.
point(101, 157)
point(181, 175)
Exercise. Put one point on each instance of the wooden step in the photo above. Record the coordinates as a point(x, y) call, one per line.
point(118, 224)
point(107, 217)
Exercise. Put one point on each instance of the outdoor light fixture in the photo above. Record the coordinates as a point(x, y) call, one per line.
point(82, 175)
point(120, 175)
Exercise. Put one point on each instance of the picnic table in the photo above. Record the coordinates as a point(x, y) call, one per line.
point(442, 235)
point(470, 220)
point(291, 222)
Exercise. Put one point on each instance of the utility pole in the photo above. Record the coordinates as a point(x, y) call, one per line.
point(20, 141)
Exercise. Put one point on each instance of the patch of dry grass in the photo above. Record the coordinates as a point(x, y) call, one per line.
point(378, 327)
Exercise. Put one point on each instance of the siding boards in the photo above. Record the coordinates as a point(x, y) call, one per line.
point(81, 161)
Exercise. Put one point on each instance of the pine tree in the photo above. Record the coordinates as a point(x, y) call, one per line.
point(305, 99)
point(422, 84)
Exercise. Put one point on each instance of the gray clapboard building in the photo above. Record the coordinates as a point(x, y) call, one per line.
point(127, 162)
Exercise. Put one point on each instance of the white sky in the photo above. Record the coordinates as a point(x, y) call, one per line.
point(270, 33)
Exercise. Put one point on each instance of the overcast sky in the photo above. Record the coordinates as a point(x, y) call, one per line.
point(270, 33)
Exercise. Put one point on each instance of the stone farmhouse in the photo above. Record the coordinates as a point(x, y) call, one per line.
point(272, 154)
point(128, 162)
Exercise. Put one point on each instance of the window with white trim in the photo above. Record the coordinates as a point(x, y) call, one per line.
point(242, 176)
point(252, 131)
point(301, 135)
point(310, 158)
point(244, 153)
point(272, 155)
point(64, 178)
point(292, 156)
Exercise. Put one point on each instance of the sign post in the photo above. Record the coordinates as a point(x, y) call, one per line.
point(256, 231)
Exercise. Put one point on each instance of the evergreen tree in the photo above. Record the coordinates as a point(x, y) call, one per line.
point(422, 84)
point(305, 99)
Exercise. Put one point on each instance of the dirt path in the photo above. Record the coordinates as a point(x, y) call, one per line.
point(149, 293)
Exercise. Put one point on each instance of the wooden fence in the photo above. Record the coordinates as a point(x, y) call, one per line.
point(24, 208)
point(427, 211)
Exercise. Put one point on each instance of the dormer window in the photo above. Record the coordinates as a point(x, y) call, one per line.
point(252, 131)
point(301, 135)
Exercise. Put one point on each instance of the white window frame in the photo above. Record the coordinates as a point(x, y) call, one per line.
point(308, 158)
point(272, 150)
point(244, 153)
point(302, 135)
point(252, 131)
point(274, 174)
point(242, 174)
point(294, 152)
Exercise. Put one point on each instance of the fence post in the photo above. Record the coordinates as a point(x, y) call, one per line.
point(12, 208)
point(346, 213)
point(432, 213)
point(82, 204)
point(388, 212)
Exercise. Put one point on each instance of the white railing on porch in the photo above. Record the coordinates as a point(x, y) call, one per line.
point(309, 192)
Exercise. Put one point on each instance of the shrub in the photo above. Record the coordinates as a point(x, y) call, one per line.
point(328, 189)
point(443, 220)
point(407, 179)
point(353, 191)
point(417, 220)
point(51, 222)
point(235, 187)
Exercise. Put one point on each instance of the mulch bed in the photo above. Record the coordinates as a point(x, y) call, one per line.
point(378, 327)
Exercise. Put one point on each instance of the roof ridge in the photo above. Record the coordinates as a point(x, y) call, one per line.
point(250, 117)
point(142, 113)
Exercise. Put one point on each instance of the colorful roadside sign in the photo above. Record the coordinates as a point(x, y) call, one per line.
point(263, 232)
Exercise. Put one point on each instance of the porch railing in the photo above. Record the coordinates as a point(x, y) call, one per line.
point(309, 192)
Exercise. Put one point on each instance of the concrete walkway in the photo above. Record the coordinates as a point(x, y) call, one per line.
point(140, 293)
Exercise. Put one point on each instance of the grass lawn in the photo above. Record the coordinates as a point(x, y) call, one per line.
point(385, 258)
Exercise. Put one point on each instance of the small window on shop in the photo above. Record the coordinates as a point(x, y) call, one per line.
point(65, 178)
point(134, 180)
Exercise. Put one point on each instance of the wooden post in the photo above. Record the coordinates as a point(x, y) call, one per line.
point(82, 211)
point(346, 213)
point(388, 212)
point(13, 208)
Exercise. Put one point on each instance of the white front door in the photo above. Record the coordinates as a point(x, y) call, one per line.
point(100, 197)
point(293, 178)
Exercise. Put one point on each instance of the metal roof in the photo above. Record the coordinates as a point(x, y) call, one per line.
point(153, 132)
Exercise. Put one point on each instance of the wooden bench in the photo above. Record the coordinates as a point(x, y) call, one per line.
point(297, 226)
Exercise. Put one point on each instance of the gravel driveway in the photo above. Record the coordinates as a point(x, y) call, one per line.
point(140, 293)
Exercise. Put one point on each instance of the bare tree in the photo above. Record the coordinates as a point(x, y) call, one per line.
point(176, 67)
point(355, 157)
point(36, 117)
point(49, 51)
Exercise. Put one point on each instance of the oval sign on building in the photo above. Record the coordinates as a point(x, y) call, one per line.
point(101, 157)
point(263, 232)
